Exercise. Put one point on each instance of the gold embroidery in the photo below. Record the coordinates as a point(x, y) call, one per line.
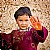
point(32, 45)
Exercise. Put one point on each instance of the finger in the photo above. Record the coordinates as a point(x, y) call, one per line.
point(32, 25)
point(38, 19)
point(34, 19)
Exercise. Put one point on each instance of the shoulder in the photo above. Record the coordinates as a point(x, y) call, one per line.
point(44, 29)
point(14, 31)
point(32, 29)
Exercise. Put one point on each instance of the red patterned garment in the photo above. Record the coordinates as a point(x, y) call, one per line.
point(6, 41)
point(28, 40)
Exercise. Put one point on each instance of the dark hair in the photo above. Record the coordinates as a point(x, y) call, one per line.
point(22, 11)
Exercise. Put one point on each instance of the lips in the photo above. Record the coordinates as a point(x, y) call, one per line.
point(23, 26)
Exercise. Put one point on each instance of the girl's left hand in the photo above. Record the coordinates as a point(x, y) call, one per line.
point(36, 24)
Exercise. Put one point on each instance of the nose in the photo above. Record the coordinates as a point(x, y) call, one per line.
point(23, 22)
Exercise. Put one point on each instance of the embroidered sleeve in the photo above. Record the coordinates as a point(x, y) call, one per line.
point(39, 35)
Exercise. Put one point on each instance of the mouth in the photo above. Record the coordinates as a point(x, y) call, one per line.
point(23, 26)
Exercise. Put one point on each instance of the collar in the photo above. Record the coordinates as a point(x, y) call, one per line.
point(28, 29)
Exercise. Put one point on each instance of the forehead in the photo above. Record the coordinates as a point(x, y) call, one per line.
point(23, 17)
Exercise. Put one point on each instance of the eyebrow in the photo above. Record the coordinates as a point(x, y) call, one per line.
point(22, 20)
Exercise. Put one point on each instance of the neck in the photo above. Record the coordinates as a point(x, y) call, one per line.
point(24, 29)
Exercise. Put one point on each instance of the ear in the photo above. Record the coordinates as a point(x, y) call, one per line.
point(16, 21)
point(30, 16)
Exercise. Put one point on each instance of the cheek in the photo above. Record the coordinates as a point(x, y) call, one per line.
point(20, 23)
point(27, 23)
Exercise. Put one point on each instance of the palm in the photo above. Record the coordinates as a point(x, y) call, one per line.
point(35, 23)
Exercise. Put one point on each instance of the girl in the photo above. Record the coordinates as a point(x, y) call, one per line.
point(26, 38)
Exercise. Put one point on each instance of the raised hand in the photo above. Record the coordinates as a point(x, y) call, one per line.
point(36, 24)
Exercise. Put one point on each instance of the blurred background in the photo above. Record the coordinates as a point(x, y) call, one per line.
point(40, 8)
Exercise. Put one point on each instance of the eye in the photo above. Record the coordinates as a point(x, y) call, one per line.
point(26, 20)
point(20, 20)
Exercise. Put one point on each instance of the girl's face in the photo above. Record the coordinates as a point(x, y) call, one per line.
point(23, 22)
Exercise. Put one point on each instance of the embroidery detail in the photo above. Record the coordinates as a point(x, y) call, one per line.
point(32, 45)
